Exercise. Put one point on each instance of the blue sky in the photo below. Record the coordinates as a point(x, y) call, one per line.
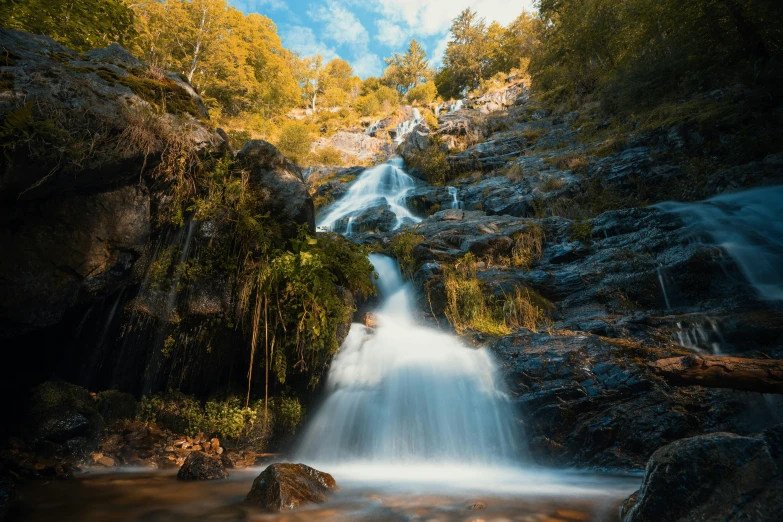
point(363, 32)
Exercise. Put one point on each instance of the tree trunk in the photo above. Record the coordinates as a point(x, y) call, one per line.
point(197, 49)
point(756, 375)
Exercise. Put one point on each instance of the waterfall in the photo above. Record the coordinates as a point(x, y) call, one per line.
point(401, 396)
point(386, 183)
point(748, 225)
point(455, 202)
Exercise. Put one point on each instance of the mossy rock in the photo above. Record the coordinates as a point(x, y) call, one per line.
point(115, 405)
point(60, 411)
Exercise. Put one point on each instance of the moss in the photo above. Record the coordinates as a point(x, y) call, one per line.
point(6, 81)
point(81, 69)
point(581, 230)
point(8, 58)
point(164, 94)
point(61, 57)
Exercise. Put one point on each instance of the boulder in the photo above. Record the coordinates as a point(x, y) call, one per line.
point(200, 466)
point(287, 193)
point(59, 411)
point(285, 486)
point(714, 477)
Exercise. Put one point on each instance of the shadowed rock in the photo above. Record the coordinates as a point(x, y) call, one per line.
point(200, 466)
point(720, 476)
point(285, 486)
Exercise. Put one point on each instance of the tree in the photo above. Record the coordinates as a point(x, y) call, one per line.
point(78, 24)
point(466, 57)
point(312, 77)
point(403, 72)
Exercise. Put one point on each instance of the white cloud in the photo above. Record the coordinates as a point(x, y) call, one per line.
point(367, 64)
point(432, 17)
point(440, 50)
point(390, 34)
point(340, 25)
point(303, 41)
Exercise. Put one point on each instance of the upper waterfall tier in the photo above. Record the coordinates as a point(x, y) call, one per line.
point(378, 187)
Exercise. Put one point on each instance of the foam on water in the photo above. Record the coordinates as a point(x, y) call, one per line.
point(387, 181)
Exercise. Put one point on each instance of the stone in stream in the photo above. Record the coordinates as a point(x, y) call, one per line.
point(285, 486)
point(719, 476)
point(200, 466)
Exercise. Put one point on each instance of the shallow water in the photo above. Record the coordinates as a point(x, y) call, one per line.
point(364, 496)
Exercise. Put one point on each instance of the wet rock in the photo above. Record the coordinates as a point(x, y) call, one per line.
point(200, 466)
point(370, 320)
point(283, 180)
point(282, 487)
point(60, 411)
point(590, 401)
point(720, 476)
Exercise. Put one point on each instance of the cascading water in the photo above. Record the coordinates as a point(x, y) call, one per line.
point(455, 202)
point(748, 225)
point(383, 182)
point(404, 393)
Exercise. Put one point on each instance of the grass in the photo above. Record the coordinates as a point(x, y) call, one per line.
point(577, 162)
point(581, 230)
point(528, 246)
point(528, 309)
point(467, 305)
point(402, 245)
point(432, 162)
point(552, 184)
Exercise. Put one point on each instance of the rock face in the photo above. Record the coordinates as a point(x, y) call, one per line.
point(720, 476)
point(200, 466)
point(282, 487)
point(67, 249)
point(283, 179)
point(74, 219)
point(357, 146)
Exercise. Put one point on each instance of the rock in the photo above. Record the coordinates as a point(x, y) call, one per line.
point(72, 227)
point(416, 140)
point(59, 411)
point(288, 194)
point(357, 146)
point(282, 487)
point(370, 320)
point(200, 466)
point(477, 506)
point(719, 476)
point(214, 444)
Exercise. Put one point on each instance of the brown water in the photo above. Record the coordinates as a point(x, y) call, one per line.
point(160, 497)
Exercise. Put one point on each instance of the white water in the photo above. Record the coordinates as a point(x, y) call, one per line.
point(748, 225)
point(387, 181)
point(404, 393)
point(455, 202)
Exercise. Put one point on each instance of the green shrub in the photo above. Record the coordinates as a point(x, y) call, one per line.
point(527, 309)
point(402, 245)
point(432, 162)
point(422, 94)
point(295, 141)
point(115, 405)
point(328, 156)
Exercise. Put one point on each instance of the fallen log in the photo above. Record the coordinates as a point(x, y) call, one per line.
point(756, 375)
